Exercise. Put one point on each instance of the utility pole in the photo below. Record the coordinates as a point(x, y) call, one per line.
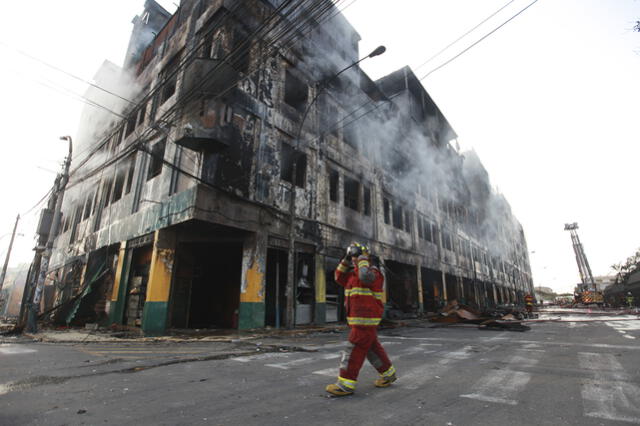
point(6, 259)
point(46, 251)
point(290, 289)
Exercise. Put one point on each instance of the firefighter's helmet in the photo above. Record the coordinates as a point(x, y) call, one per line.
point(357, 249)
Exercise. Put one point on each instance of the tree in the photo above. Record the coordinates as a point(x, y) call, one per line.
point(623, 270)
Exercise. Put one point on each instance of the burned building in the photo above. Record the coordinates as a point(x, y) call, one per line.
point(239, 165)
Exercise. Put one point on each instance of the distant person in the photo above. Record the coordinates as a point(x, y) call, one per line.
point(359, 274)
point(528, 302)
point(630, 299)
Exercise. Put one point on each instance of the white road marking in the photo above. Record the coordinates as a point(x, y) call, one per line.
point(419, 376)
point(9, 349)
point(287, 365)
point(260, 356)
point(608, 396)
point(501, 386)
point(548, 343)
point(331, 372)
point(623, 327)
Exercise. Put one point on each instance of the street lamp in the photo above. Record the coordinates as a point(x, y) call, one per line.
point(292, 200)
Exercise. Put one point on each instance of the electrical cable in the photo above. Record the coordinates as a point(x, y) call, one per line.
point(2, 43)
point(107, 164)
point(463, 35)
point(478, 41)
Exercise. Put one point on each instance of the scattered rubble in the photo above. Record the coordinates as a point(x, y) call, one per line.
point(501, 318)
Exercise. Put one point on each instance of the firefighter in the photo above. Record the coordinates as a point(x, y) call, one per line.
point(528, 301)
point(359, 273)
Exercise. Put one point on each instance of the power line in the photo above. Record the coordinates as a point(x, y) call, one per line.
point(464, 35)
point(370, 101)
point(480, 40)
point(63, 71)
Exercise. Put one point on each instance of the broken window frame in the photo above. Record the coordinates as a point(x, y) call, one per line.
point(397, 216)
point(156, 162)
point(334, 184)
point(288, 155)
point(131, 167)
point(170, 78)
point(351, 189)
point(296, 91)
point(386, 207)
point(408, 218)
point(88, 203)
point(366, 200)
point(118, 184)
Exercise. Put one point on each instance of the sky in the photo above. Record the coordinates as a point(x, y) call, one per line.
point(550, 102)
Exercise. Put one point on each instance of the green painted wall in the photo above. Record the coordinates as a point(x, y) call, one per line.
point(320, 315)
point(154, 318)
point(251, 315)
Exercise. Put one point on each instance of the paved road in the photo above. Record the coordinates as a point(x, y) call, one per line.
point(573, 373)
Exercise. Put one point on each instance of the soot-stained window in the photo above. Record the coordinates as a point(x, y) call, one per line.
point(118, 187)
point(350, 136)
point(288, 156)
point(295, 92)
point(386, 208)
point(131, 167)
point(446, 241)
point(351, 193)
point(367, 200)
point(397, 215)
point(407, 220)
point(157, 159)
point(170, 78)
point(334, 179)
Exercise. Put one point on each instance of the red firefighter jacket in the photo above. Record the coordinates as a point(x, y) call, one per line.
point(363, 290)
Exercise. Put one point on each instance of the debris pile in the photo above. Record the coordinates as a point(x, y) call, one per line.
point(499, 318)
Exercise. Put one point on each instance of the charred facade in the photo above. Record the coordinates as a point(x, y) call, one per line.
point(237, 144)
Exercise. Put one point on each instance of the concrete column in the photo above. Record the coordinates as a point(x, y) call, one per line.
point(119, 291)
point(420, 289)
point(156, 307)
point(445, 298)
point(320, 314)
point(252, 290)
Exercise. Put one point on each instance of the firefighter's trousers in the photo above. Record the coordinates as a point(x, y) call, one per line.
point(363, 343)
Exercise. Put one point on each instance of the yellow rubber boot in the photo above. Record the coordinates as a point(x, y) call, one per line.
point(337, 390)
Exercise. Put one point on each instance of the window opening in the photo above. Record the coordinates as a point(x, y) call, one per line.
point(287, 156)
point(295, 92)
point(131, 168)
point(157, 159)
point(351, 193)
point(386, 208)
point(397, 215)
point(334, 179)
point(169, 75)
point(367, 201)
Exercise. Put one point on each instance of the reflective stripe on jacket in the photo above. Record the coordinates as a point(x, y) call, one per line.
point(363, 290)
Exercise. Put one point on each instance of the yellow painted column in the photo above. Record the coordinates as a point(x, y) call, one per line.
point(118, 278)
point(156, 307)
point(251, 312)
point(118, 293)
point(320, 311)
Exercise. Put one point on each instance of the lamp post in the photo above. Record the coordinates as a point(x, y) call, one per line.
point(290, 289)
